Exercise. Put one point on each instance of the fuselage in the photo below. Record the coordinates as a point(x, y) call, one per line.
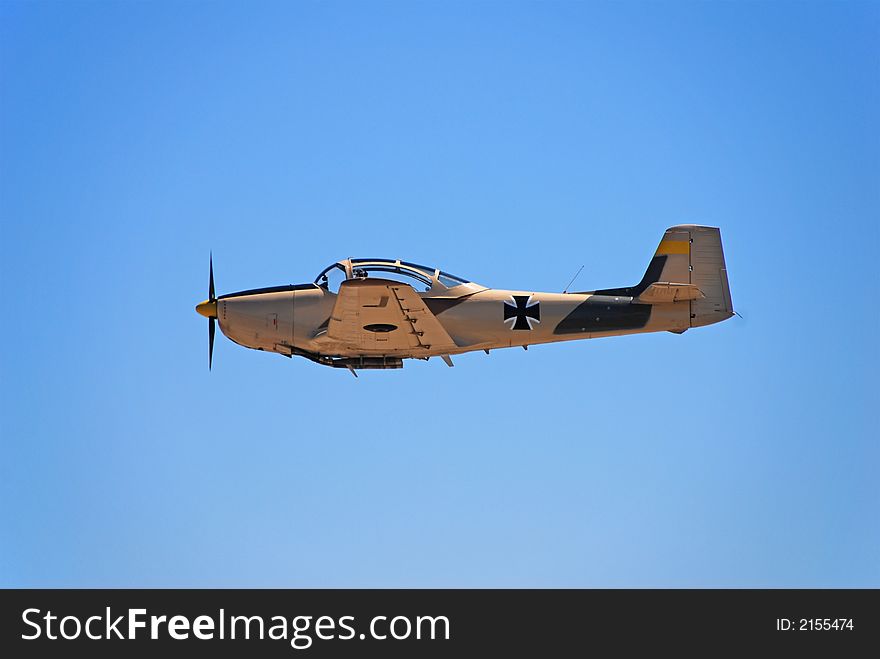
point(277, 320)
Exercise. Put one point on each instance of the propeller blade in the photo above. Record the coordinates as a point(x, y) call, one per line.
point(211, 282)
point(210, 342)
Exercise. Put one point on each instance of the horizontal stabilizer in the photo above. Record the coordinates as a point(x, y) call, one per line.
point(663, 291)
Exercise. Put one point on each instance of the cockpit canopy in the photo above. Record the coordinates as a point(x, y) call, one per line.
point(420, 277)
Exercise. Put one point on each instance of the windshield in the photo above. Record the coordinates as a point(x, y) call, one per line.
point(331, 277)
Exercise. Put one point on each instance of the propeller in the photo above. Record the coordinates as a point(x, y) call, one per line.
point(211, 319)
point(208, 308)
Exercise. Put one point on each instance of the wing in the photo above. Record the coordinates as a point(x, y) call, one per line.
point(386, 316)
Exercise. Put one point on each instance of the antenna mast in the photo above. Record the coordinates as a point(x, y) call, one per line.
point(572, 279)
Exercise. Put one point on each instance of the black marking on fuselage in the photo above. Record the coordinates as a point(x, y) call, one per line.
point(604, 313)
point(438, 305)
point(652, 274)
point(271, 289)
point(521, 311)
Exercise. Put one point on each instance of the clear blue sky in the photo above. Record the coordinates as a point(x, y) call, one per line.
point(506, 142)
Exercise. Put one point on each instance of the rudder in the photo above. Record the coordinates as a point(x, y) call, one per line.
point(708, 271)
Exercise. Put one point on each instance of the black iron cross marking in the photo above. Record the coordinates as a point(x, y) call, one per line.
point(522, 311)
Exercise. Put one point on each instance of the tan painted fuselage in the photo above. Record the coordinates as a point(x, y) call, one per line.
point(275, 321)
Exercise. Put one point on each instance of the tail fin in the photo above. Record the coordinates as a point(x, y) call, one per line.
point(688, 256)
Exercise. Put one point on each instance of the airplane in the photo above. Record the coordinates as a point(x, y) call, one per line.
point(374, 313)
